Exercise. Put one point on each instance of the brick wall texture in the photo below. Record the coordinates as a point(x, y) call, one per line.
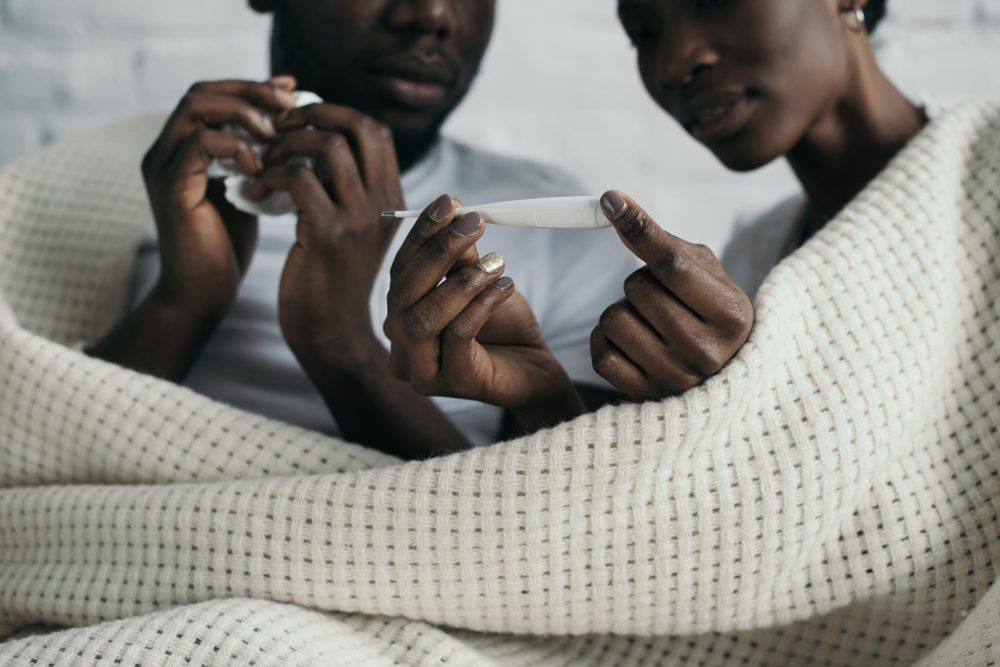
point(558, 84)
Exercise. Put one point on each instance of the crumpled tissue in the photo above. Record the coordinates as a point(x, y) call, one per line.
point(238, 184)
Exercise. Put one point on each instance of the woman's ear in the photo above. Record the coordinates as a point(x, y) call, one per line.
point(263, 6)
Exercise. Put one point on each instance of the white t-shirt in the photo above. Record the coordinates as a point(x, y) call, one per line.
point(568, 276)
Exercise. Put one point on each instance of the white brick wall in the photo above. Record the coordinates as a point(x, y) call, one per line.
point(558, 84)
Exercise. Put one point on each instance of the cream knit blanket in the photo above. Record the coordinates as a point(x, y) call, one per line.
point(831, 498)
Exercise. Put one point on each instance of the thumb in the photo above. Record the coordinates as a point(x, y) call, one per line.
point(637, 229)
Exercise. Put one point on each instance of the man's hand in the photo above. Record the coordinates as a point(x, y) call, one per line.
point(341, 238)
point(341, 241)
point(206, 244)
point(682, 318)
point(471, 335)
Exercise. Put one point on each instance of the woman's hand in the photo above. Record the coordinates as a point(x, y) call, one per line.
point(341, 238)
point(459, 327)
point(206, 244)
point(682, 318)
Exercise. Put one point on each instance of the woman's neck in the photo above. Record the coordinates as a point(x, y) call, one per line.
point(855, 139)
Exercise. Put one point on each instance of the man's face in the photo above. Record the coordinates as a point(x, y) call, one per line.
point(406, 63)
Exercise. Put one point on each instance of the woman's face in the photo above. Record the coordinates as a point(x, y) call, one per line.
point(747, 78)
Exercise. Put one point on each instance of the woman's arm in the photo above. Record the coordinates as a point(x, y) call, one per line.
point(459, 327)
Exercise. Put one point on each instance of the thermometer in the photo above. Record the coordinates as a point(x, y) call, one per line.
point(552, 212)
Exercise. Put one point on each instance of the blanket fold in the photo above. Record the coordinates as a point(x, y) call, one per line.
point(831, 498)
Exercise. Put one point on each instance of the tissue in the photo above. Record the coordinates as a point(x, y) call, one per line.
point(238, 184)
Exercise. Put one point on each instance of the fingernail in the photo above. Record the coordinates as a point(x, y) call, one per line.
point(491, 263)
point(440, 208)
point(504, 284)
point(267, 124)
point(468, 225)
point(613, 204)
point(281, 80)
point(284, 96)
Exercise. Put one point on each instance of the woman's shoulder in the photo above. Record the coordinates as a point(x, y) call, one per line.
point(759, 241)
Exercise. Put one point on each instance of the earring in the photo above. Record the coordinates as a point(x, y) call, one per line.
point(854, 17)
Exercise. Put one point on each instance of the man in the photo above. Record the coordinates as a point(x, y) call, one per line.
point(302, 327)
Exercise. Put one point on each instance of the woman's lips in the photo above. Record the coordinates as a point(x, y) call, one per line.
point(714, 117)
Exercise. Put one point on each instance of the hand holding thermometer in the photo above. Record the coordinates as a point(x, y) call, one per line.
point(551, 212)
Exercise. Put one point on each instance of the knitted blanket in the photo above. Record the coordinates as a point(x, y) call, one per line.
point(831, 498)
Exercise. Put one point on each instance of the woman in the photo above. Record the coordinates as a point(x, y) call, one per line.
point(752, 81)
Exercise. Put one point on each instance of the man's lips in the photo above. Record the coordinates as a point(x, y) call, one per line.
point(411, 80)
point(717, 115)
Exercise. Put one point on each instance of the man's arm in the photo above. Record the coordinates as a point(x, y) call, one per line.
point(327, 282)
point(158, 338)
point(375, 409)
point(205, 244)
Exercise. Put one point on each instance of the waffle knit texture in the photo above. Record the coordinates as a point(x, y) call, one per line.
point(830, 498)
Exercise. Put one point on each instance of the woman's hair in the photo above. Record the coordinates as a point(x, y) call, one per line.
point(874, 12)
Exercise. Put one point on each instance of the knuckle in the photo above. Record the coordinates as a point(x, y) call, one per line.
point(438, 247)
point(739, 315)
point(296, 173)
point(613, 317)
point(200, 136)
point(465, 281)
point(190, 99)
point(199, 86)
point(734, 313)
point(637, 282)
point(604, 365)
point(334, 142)
point(394, 300)
point(417, 325)
point(702, 250)
point(709, 359)
point(674, 262)
point(456, 333)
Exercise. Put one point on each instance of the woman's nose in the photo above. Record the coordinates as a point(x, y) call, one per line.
point(686, 53)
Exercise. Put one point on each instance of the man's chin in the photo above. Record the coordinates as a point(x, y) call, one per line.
point(412, 125)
